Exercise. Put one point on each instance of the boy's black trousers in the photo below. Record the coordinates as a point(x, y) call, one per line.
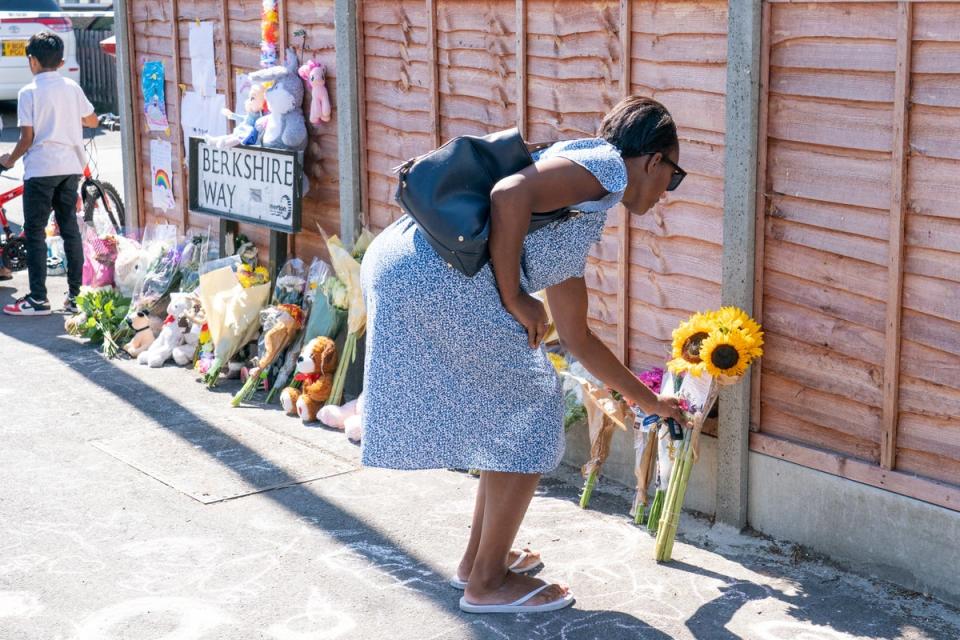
point(40, 195)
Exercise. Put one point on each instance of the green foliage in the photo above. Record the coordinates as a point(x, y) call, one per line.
point(574, 411)
point(105, 311)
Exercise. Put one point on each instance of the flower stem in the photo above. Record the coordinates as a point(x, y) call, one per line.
point(656, 508)
point(248, 389)
point(639, 512)
point(213, 373)
point(349, 349)
point(588, 489)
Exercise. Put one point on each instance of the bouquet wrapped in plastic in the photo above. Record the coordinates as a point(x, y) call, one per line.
point(605, 413)
point(322, 318)
point(347, 268)
point(232, 300)
point(99, 257)
point(281, 322)
point(192, 256)
point(645, 430)
point(162, 273)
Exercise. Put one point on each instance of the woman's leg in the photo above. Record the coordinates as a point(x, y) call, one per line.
point(476, 528)
point(506, 498)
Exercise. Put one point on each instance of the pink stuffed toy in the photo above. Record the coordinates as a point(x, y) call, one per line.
point(346, 418)
point(314, 75)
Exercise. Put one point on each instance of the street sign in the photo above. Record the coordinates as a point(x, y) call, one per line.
point(247, 184)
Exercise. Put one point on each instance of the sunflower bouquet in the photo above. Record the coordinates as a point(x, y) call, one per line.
point(721, 344)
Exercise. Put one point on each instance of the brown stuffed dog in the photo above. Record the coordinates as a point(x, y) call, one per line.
point(315, 368)
point(143, 335)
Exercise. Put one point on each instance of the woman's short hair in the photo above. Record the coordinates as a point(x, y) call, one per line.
point(639, 125)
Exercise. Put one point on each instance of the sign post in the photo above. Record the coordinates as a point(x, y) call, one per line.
point(254, 185)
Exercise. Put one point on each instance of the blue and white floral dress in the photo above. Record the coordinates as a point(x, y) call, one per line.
point(450, 379)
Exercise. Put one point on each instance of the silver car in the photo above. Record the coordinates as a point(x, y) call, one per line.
point(20, 19)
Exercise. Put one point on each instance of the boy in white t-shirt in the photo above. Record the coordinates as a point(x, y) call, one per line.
point(51, 112)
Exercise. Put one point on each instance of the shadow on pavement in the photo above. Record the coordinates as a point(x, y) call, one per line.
point(810, 598)
point(418, 574)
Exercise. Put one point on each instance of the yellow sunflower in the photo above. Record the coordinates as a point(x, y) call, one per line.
point(679, 366)
point(688, 336)
point(732, 319)
point(726, 354)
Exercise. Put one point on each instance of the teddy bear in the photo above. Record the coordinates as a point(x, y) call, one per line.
point(315, 368)
point(175, 325)
point(142, 334)
point(195, 319)
point(284, 126)
point(345, 418)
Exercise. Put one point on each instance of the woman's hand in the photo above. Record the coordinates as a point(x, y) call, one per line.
point(530, 313)
point(669, 408)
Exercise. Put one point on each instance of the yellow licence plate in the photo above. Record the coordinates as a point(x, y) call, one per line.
point(13, 48)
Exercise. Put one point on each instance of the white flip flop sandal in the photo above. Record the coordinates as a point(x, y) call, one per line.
point(519, 561)
point(517, 606)
point(459, 584)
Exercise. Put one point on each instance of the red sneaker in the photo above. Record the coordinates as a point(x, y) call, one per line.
point(27, 306)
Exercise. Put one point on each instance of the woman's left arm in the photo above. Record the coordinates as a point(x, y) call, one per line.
point(568, 304)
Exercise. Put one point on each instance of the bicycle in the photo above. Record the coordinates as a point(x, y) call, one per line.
point(99, 201)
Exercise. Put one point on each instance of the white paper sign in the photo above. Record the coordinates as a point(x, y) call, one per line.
point(161, 172)
point(202, 116)
point(249, 184)
point(242, 86)
point(202, 66)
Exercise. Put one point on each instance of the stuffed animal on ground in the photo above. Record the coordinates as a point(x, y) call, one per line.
point(142, 334)
point(175, 325)
point(246, 130)
point(315, 368)
point(130, 267)
point(314, 75)
point(345, 418)
point(241, 361)
point(195, 318)
point(283, 127)
point(184, 352)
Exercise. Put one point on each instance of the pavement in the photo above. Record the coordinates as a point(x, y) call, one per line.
point(136, 504)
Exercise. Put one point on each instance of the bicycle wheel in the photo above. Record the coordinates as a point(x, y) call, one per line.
point(14, 254)
point(105, 220)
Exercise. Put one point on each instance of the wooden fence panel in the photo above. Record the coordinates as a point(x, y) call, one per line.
point(679, 56)
point(237, 48)
point(828, 158)
point(860, 292)
point(928, 436)
point(858, 190)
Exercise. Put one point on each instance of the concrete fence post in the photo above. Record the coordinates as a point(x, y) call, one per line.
point(125, 101)
point(739, 229)
point(348, 118)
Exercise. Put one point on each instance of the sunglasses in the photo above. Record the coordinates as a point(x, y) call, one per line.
point(678, 174)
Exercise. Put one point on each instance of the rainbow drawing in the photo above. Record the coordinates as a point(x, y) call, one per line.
point(162, 179)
